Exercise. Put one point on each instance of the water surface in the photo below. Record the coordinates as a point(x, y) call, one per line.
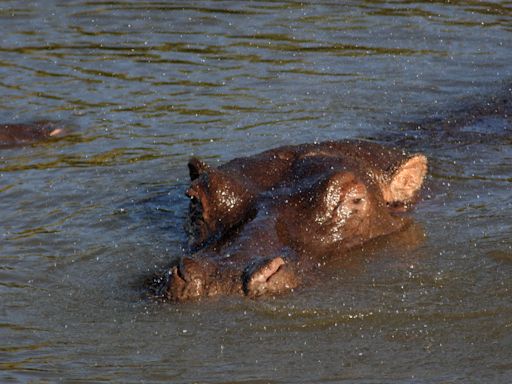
point(144, 85)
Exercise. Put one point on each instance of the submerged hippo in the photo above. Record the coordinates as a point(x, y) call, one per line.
point(22, 134)
point(257, 225)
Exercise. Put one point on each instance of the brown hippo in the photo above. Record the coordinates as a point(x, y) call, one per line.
point(259, 224)
point(22, 134)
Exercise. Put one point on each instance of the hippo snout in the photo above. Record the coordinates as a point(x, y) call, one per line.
point(184, 281)
point(190, 279)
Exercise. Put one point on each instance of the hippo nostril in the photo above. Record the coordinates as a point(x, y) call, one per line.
point(176, 273)
point(187, 280)
point(179, 286)
point(170, 284)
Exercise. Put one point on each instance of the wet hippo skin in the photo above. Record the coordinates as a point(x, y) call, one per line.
point(257, 225)
point(12, 135)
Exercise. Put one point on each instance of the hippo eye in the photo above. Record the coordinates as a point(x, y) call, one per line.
point(357, 200)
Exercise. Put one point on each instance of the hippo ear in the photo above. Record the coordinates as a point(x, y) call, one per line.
point(406, 181)
point(196, 168)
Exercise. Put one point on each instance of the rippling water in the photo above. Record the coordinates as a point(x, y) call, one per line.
point(141, 86)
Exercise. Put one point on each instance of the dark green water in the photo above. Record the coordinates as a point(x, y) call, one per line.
point(144, 85)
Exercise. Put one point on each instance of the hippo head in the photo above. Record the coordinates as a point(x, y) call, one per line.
point(22, 134)
point(256, 228)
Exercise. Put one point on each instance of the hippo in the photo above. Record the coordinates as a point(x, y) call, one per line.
point(258, 225)
point(12, 135)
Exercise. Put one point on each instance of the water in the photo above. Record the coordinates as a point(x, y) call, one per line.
point(144, 85)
